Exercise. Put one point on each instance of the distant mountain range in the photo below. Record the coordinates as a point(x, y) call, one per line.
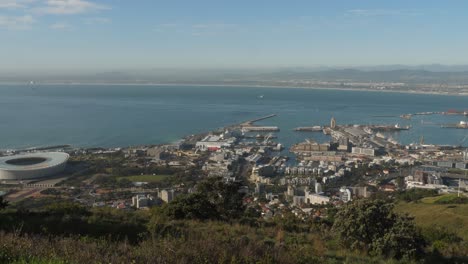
point(349, 75)
point(424, 74)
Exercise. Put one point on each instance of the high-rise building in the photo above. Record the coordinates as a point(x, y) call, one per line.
point(140, 201)
point(333, 122)
point(318, 187)
point(345, 194)
point(167, 195)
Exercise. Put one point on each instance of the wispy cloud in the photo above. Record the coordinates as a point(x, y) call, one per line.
point(60, 26)
point(69, 7)
point(197, 29)
point(22, 14)
point(16, 22)
point(381, 12)
point(15, 4)
point(97, 20)
point(211, 28)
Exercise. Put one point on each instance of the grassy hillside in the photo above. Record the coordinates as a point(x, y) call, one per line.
point(429, 212)
point(185, 242)
point(212, 225)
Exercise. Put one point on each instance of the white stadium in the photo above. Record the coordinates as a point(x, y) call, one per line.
point(32, 166)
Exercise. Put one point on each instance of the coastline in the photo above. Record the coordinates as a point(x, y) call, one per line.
point(240, 86)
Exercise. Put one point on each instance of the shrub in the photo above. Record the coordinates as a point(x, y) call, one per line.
point(371, 225)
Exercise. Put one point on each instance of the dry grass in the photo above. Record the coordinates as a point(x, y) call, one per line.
point(452, 216)
point(209, 242)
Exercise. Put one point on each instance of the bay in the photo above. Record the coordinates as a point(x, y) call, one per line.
point(125, 115)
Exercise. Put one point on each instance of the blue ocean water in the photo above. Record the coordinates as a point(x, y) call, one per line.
point(124, 115)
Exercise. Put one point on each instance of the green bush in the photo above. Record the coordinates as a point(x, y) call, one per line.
point(414, 195)
point(451, 199)
point(372, 226)
point(214, 199)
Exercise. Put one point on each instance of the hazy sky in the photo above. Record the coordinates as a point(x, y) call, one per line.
point(95, 34)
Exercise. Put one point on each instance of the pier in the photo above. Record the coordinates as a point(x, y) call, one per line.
point(251, 122)
point(309, 129)
point(461, 125)
point(388, 128)
point(249, 126)
point(260, 128)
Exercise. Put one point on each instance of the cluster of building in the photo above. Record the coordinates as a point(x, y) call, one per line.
point(141, 201)
point(216, 142)
point(220, 163)
point(317, 176)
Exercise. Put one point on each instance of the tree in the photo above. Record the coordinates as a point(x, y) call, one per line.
point(414, 195)
point(3, 203)
point(225, 197)
point(289, 222)
point(371, 225)
point(402, 240)
point(192, 206)
point(213, 199)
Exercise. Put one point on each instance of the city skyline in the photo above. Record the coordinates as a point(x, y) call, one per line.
point(79, 35)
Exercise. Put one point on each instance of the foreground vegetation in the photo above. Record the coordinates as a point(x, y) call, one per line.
point(213, 225)
point(187, 242)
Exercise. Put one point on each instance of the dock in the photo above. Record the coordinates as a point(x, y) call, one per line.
point(309, 129)
point(251, 122)
point(388, 128)
point(454, 126)
point(261, 136)
point(427, 113)
point(260, 128)
point(461, 125)
point(249, 126)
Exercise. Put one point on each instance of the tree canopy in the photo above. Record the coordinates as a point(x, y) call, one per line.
point(213, 199)
point(371, 225)
point(3, 203)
